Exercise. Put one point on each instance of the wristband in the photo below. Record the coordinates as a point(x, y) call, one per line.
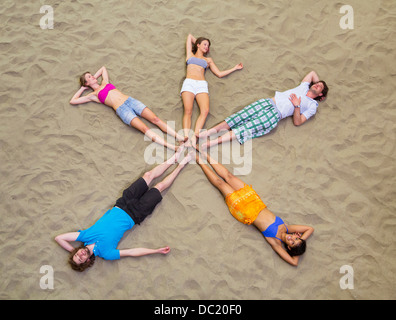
point(297, 106)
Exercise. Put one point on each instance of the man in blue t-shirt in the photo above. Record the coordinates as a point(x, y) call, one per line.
point(136, 203)
point(260, 117)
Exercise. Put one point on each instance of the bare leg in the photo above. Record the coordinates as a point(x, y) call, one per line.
point(161, 168)
point(167, 182)
point(223, 172)
point(229, 136)
point(138, 124)
point(203, 103)
point(219, 127)
point(188, 102)
point(214, 179)
point(150, 116)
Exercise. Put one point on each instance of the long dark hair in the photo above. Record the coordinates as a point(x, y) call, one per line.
point(298, 249)
point(197, 42)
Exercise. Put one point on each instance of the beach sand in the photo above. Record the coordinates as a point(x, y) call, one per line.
point(63, 166)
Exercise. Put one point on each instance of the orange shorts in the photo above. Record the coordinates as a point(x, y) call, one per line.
point(244, 204)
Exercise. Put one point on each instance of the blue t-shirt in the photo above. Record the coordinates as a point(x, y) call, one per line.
point(106, 233)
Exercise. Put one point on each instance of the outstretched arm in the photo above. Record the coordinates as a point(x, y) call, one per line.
point(224, 73)
point(138, 252)
point(64, 239)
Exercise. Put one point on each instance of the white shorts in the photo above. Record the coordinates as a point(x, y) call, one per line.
point(195, 86)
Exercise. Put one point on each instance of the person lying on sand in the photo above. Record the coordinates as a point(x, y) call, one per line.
point(195, 86)
point(246, 206)
point(136, 203)
point(260, 117)
point(127, 108)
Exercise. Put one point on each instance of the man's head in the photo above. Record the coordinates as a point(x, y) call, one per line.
point(319, 90)
point(81, 259)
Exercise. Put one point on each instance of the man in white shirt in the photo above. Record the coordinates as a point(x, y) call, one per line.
point(262, 116)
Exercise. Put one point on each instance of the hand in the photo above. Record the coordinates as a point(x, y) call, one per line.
point(239, 66)
point(164, 250)
point(294, 100)
point(84, 88)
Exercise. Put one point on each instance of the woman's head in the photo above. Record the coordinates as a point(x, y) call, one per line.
point(296, 247)
point(83, 80)
point(80, 259)
point(203, 44)
point(87, 79)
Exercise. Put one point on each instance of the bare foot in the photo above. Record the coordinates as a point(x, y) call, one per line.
point(175, 158)
point(203, 134)
point(181, 139)
point(188, 143)
point(188, 157)
point(194, 141)
point(204, 146)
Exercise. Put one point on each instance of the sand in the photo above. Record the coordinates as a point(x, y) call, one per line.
point(63, 166)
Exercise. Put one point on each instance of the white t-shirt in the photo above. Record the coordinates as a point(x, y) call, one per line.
point(286, 108)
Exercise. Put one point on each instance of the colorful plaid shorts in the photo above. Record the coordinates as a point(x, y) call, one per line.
point(255, 120)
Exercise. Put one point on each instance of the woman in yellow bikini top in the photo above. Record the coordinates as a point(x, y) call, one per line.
point(246, 206)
